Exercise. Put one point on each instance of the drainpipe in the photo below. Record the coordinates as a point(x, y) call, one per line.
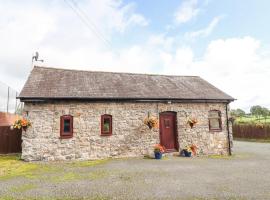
point(228, 130)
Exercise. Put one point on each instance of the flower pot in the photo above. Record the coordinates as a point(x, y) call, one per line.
point(181, 153)
point(186, 153)
point(158, 155)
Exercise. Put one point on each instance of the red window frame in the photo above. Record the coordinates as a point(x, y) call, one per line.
point(103, 117)
point(219, 121)
point(63, 134)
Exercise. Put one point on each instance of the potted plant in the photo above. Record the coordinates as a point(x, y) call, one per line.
point(187, 151)
point(190, 150)
point(192, 122)
point(159, 150)
point(21, 124)
point(151, 122)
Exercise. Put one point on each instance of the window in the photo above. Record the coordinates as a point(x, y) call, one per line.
point(66, 126)
point(167, 123)
point(214, 120)
point(106, 125)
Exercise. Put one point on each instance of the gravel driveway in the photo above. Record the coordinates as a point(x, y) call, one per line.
point(246, 175)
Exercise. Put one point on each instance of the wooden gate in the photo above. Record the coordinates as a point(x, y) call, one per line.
point(10, 140)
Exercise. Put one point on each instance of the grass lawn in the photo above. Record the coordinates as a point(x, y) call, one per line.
point(28, 175)
point(12, 166)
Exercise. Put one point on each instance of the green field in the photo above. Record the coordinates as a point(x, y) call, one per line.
point(252, 119)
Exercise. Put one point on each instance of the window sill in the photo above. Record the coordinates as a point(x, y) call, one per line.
point(215, 130)
point(105, 134)
point(65, 137)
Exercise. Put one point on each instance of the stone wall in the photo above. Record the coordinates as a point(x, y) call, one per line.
point(130, 136)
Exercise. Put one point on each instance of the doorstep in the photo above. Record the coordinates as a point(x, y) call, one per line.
point(170, 154)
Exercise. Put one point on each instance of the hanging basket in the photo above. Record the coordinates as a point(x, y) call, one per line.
point(151, 122)
point(21, 124)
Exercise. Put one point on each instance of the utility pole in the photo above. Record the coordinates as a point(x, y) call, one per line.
point(16, 103)
point(8, 99)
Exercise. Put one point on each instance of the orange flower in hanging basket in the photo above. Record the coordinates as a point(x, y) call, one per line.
point(151, 122)
point(24, 122)
point(21, 124)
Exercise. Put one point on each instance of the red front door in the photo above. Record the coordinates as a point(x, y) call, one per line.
point(168, 134)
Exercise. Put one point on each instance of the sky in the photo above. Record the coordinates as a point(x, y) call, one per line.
point(226, 42)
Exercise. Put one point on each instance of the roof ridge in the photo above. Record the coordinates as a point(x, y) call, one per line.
point(79, 70)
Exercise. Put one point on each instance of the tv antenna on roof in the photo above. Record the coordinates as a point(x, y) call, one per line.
point(35, 57)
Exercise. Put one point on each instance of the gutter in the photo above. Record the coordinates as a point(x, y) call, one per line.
point(173, 100)
point(228, 131)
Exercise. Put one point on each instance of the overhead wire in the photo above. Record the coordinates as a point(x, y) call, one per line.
point(90, 21)
point(87, 21)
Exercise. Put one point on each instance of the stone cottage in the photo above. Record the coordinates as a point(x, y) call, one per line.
point(91, 115)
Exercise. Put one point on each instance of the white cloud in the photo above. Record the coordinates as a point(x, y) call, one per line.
point(239, 66)
point(235, 65)
point(138, 19)
point(161, 40)
point(136, 59)
point(112, 15)
point(186, 11)
point(205, 31)
point(179, 62)
point(61, 37)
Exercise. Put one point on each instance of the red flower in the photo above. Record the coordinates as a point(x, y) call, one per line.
point(159, 148)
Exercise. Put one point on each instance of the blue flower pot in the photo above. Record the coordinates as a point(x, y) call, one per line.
point(158, 155)
point(186, 153)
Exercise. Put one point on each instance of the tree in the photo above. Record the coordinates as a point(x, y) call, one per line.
point(238, 112)
point(265, 112)
point(256, 111)
point(233, 113)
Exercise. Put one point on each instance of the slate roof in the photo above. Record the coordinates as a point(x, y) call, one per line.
point(53, 83)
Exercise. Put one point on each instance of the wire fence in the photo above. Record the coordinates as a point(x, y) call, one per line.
point(8, 100)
